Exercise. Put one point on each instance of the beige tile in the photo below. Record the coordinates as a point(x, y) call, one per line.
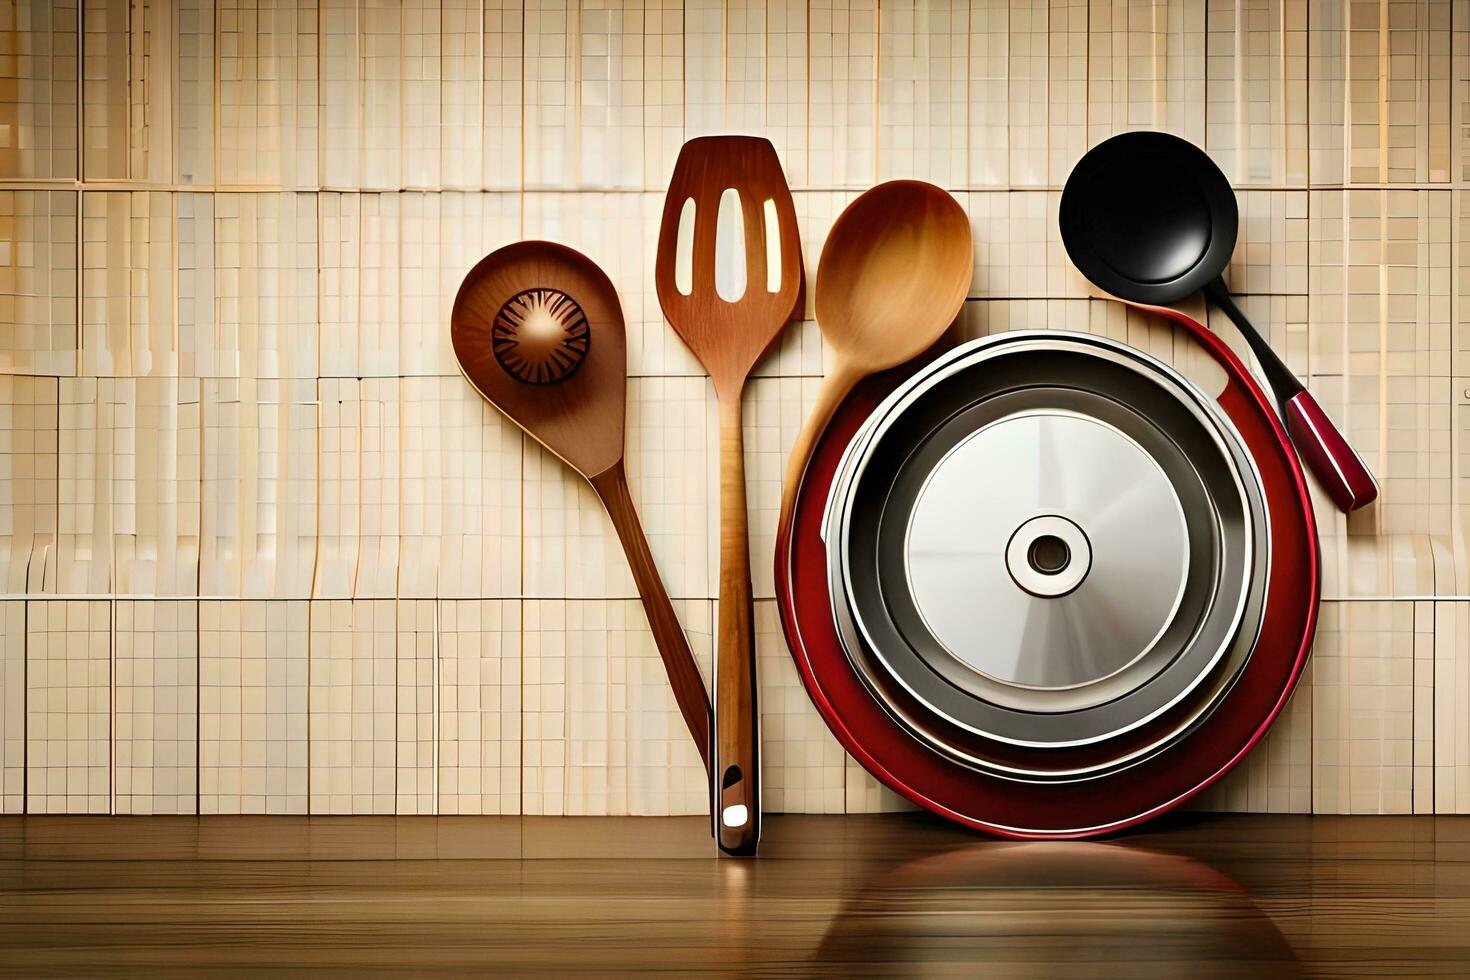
point(199, 353)
point(38, 282)
point(1028, 116)
point(265, 287)
point(84, 486)
point(12, 706)
point(803, 769)
point(1256, 90)
point(1327, 67)
point(353, 705)
point(1145, 69)
point(339, 484)
point(41, 108)
point(1018, 249)
point(128, 324)
point(68, 673)
point(745, 71)
point(28, 479)
point(1451, 685)
point(269, 93)
point(416, 699)
point(996, 83)
point(1380, 92)
point(503, 57)
point(253, 662)
point(923, 67)
point(461, 487)
point(436, 91)
point(1363, 699)
point(196, 88)
point(105, 70)
point(479, 706)
point(154, 475)
point(1066, 87)
point(380, 38)
point(155, 748)
point(1380, 346)
point(259, 508)
point(842, 93)
point(602, 95)
point(601, 731)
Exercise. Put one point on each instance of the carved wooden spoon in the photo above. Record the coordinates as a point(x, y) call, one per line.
point(729, 276)
point(893, 276)
point(539, 332)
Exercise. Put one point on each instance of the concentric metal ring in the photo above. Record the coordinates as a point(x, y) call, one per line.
point(1133, 653)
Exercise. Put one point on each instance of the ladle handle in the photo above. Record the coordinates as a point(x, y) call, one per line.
point(612, 487)
point(735, 766)
point(1322, 447)
point(1327, 454)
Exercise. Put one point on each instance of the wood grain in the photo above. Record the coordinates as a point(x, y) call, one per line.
point(728, 335)
point(902, 894)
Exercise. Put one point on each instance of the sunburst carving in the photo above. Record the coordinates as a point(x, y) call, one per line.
point(540, 336)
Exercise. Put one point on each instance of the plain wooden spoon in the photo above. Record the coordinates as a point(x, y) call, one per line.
point(539, 332)
point(893, 276)
point(729, 276)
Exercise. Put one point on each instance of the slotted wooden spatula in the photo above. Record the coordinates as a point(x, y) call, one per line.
point(729, 277)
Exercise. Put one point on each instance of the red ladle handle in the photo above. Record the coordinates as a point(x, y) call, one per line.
point(1317, 440)
point(1327, 454)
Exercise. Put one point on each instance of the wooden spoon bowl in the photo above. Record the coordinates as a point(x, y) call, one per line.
point(539, 332)
point(893, 276)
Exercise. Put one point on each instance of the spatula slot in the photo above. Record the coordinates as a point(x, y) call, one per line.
point(730, 271)
point(773, 246)
point(684, 250)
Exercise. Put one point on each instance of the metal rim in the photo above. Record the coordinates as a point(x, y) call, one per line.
point(951, 713)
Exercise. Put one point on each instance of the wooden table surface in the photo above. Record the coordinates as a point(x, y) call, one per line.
point(1195, 896)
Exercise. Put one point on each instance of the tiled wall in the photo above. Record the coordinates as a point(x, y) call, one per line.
point(264, 551)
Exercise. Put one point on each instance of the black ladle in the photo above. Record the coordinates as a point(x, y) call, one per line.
point(1149, 218)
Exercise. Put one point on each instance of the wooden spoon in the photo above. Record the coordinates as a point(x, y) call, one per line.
point(729, 276)
point(893, 276)
point(539, 332)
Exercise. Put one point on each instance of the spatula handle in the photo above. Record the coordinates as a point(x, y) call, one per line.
point(735, 767)
point(612, 486)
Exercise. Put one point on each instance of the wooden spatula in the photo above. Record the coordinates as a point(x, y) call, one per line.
point(729, 276)
point(538, 331)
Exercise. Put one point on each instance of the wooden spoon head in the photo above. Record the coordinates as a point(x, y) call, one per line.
point(894, 274)
point(539, 332)
point(726, 321)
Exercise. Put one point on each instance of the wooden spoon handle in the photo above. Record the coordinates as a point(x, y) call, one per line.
point(735, 767)
point(835, 387)
point(612, 486)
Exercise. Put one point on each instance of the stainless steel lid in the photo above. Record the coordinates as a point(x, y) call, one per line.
point(1033, 533)
point(1047, 540)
